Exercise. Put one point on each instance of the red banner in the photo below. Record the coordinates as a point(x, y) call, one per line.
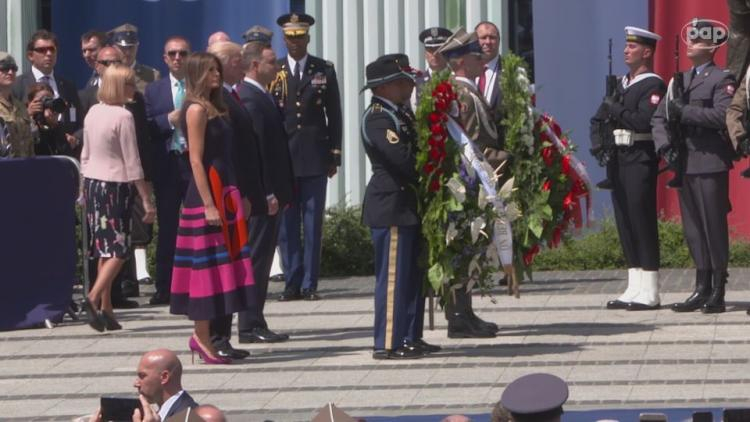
point(667, 19)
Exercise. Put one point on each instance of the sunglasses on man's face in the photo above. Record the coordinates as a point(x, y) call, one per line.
point(8, 68)
point(45, 50)
point(174, 53)
point(108, 62)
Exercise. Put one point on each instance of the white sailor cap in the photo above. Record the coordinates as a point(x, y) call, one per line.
point(641, 36)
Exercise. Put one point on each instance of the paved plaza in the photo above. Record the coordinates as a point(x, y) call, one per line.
point(611, 359)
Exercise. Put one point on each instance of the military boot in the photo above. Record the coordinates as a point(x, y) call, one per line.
point(460, 322)
point(700, 295)
point(715, 303)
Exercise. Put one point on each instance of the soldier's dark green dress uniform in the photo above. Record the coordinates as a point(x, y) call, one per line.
point(390, 210)
point(704, 197)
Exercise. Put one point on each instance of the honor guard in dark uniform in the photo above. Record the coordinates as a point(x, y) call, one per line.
point(307, 91)
point(432, 39)
point(390, 210)
point(634, 168)
point(704, 196)
point(535, 398)
point(463, 53)
point(125, 37)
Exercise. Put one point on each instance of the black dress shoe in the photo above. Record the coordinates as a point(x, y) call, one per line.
point(277, 278)
point(130, 288)
point(310, 295)
point(463, 327)
point(635, 306)
point(422, 345)
point(617, 304)
point(605, 184)
point(288, 296)
point(484, 325)
point(159, 298)
point(146, 280)
point(95, 320)
point(400, 353)
point(123, 303)
point(230, 352)
point(262, 335)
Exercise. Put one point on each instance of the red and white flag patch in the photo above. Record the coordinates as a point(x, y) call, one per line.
point(730, 89)
point(655, 98)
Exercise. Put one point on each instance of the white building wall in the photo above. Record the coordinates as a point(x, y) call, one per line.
point(21, 20)
point(352, 33)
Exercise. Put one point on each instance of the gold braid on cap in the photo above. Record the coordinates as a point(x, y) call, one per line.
point(280, 84)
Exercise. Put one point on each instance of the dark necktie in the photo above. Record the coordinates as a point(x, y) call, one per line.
point(296, 71)
point(236, 95)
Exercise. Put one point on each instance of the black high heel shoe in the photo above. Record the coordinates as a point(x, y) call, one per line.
point(94, 319)
point(110, 323)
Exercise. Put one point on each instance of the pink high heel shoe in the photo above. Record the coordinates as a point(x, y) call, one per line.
point(195, 347)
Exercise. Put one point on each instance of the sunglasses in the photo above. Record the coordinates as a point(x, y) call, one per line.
point(175, 53)
point(9, 68)
point(108, 62)
point(45, 50)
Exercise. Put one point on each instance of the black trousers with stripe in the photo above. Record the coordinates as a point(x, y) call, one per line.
point(398, 285)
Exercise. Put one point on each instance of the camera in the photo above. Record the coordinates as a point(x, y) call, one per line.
point(57, 105)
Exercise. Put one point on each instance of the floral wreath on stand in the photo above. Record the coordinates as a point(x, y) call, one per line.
point(465, 221)
point(554, 181)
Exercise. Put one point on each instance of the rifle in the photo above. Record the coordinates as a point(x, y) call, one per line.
point(602, 137)
point(674, 129)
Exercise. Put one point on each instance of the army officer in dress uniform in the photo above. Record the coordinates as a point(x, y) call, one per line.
point(390, 210)
point(432, 39)
point(634, 169)
point(464, 55)
point(125, 38)
point(307, 91)
point(704, 197)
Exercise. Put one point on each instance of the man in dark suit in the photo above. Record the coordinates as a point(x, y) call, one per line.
point(172, 170)
point(125, 38)
point(140, 232)
point(704, 196)
point(488, 82)
point(260, 65)
point(159, 381)
point(41, 51)
point(307, 91)
point(248, 170)
point(91, 42)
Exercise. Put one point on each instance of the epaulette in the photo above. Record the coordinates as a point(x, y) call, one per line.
point(329, 63)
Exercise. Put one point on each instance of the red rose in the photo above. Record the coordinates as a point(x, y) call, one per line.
point(566, 164)
point(435, 118)
point(435, 185)
point(568, 200)
point(428, 168)
point(529, 256)
point(548, 155)
point(547, 185)
point(434, 154)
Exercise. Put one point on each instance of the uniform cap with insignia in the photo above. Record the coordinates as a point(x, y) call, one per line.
point(434, 37)
point(7, 61)
point(641, 36)
point(460, 44)
point(387, 68)
point(535, 397)
point(295, 24)
point(124, 35)
point(258, 33)
point(705, 30)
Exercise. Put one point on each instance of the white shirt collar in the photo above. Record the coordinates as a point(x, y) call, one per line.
point(492, 64)
point(38, 74)
point(228, 87)
point(467, 80)
point(172, 80)
point(701, 68)
point(167, 405)
point(256, 84)
point(292, 62)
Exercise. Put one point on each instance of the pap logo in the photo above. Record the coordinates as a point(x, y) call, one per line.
point(705, 30)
